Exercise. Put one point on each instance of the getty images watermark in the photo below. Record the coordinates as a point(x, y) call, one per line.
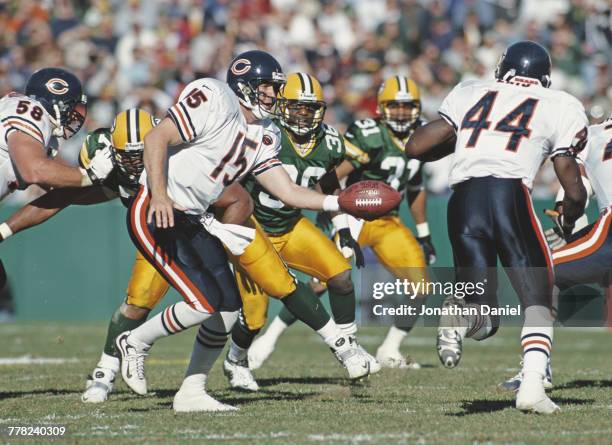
point(410, 290)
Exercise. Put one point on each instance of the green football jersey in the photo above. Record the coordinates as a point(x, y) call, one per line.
point(376, 153)
point(98, 140)
point(305, 166)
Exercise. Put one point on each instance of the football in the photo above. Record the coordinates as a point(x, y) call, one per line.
point(369, 199)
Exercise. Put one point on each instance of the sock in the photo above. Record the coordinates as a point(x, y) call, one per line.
point(118, 324)
point(343, 308)
point(407, 322)
point(241, 334)
point(276, 328)
point(286, 316)
point(109, 362)
point(194, 382)
point(209, 343)
point(536, 339)
point(480, 325)
point(330, 333)
point(304, 304)
point(235, 353)
point(173, 319)
point(394, 338)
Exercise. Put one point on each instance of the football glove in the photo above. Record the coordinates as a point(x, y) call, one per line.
point(560, 232)
point(349, 247)
point(101, 166)
point(324, 221)
point(428, 249)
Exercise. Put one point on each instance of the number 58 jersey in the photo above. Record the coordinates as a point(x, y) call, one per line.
point(508, 129)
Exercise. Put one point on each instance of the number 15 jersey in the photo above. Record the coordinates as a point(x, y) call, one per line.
point(508, 129)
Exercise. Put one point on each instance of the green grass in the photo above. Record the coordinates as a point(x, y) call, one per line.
point(305, 398)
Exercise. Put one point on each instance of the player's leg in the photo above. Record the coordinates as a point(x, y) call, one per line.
point(145, 289)
point(195, 263)
point(308, 250)
point(475, 257)
point(262, 263)
point(527, 259)
point(207, 347)
point(399, 252)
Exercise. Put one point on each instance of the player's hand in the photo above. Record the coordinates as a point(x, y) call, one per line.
point(428, 249)
point(324, 221)
point(100, 166)
point(161, 208)
point(557, 236)
point(349, 247)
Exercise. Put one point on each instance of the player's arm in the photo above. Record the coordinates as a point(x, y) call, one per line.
point(432, 141)
point(156, 144)
point(33, 167)
point(416, 196)
point(278, 183)
point(234, 206)
point(568, 172)
point(51, 203)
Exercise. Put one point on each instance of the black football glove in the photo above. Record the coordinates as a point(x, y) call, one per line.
point(557, 236)
point(349, 247)
point(428, 249)
point(324, 221)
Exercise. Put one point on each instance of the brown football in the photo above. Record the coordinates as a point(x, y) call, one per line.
point(369, 199)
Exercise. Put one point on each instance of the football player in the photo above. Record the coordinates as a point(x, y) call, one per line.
point(52, 106)
point(501, 131)
point(146, 287)
point(586, 256)
point(217, 133)
point(375, 150)
point(309, 149)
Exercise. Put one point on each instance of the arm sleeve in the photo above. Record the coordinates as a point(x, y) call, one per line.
point(570, 136)
point(267, 156)
point(415, 183)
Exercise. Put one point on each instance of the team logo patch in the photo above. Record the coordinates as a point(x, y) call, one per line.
point(57, 86)
point(241, 66)
point(267, 140)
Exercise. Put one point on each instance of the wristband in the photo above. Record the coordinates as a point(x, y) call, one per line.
point(5, 231)
point(422, 230)
point(340, 221)
point(85, 179)
point(330, 204)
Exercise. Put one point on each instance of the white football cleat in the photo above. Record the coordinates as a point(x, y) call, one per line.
point(531, 396)
point(133, 355)
point(514, 383)
point(260, 351)
point(239, 375)
point(373, 362)
point(99, 385)
point(451, 329)
point(192, 397)
point(393, 358)
point(348, 353)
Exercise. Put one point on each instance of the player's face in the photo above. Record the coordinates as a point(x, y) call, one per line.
point(401, 111)
point(266, 94)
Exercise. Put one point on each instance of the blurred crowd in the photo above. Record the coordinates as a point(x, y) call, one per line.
point(142, 52)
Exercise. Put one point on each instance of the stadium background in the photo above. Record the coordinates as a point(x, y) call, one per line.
point(141, 53)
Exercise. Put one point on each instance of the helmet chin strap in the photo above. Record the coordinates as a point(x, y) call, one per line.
point(58, 131)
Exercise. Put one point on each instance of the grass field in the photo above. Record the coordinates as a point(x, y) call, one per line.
point(304, 397)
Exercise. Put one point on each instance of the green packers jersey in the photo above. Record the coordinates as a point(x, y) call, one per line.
point(305, 166)
point(376, 153)
point(98, 140)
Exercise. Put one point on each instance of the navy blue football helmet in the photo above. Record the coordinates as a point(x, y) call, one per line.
point(61, 94)
point(526, 59)
point(246, 72)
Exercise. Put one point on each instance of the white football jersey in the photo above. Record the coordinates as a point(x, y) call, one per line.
point(508, 129)
point(597, 159)
point(218, 148)
point(20, 113)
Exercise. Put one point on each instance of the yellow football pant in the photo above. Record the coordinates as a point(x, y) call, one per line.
point(395, 246)
point(304, 248)
point(146, 286)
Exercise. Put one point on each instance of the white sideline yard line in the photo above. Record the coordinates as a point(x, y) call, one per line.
point(31, 360)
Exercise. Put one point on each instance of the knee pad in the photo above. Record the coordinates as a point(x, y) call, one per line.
point(134, 312)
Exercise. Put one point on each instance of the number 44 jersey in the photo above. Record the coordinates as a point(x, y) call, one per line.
point(508, 129)
point(305, 167)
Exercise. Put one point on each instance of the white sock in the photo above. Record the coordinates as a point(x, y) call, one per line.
point(536, 339)
point(209, 342)
point(194, 382)
point(173, 319)
point(236, 353)
point(348, 328)
point(330, 333)
point(274, 331)
point(109, 362)
point(394, 338)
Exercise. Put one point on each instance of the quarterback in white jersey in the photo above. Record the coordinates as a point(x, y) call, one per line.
point(501, 132)
point(212, 137)
point(53, 106)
